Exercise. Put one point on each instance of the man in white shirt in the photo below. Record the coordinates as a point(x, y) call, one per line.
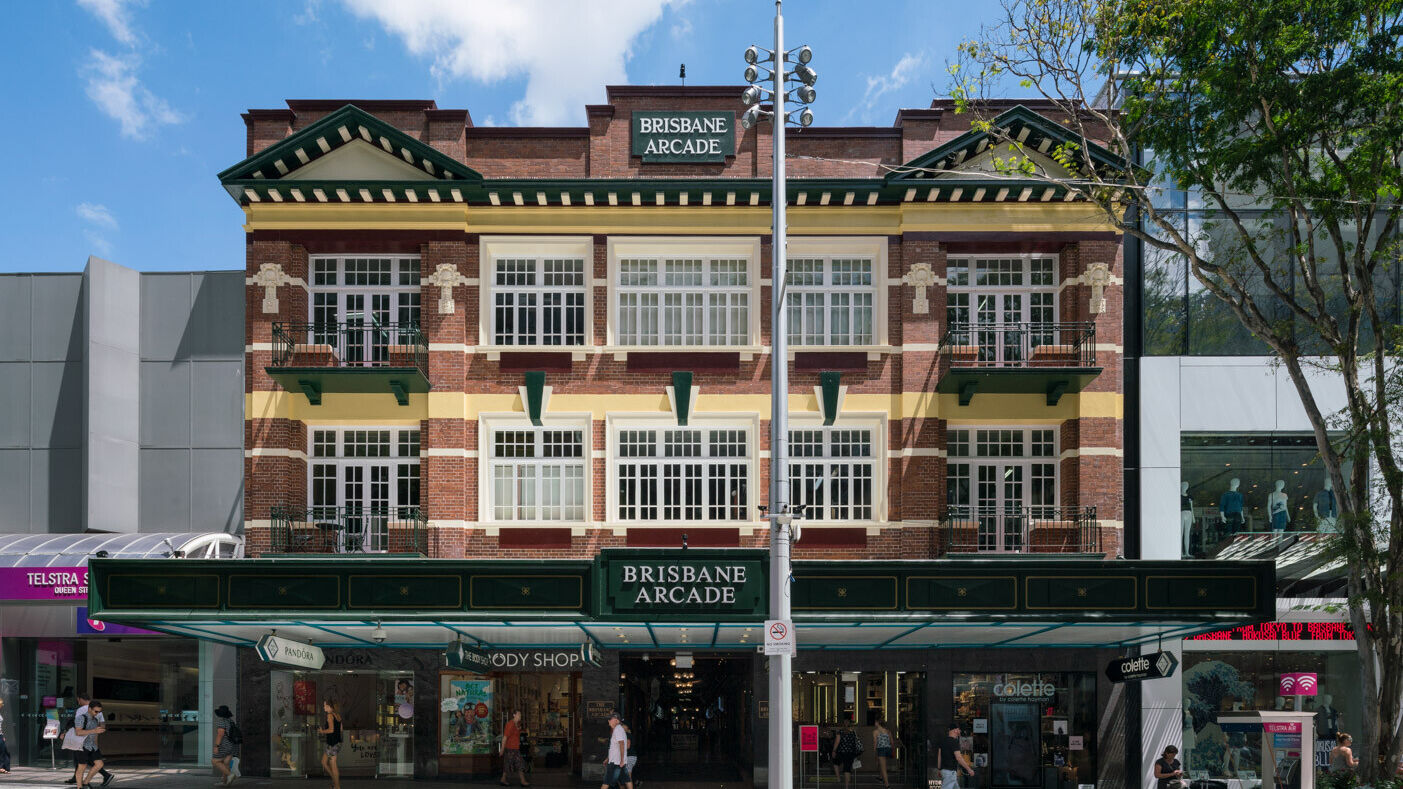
point(79, 758)
point(616, 763)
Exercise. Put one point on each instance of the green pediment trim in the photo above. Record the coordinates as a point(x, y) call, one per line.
point(679, 585)
point(535, 395)
point(1015, 120)
point(682, 395)
point(346, 125)
point(829, 383)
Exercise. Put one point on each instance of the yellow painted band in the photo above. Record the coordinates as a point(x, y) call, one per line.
point(674, 220)
point(382, 408)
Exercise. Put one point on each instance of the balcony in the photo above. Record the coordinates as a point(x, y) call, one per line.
point(1018, 358)
point(354, 530)
point(1025, 530)
point(350, 357)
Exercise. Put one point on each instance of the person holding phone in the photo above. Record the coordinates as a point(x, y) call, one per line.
point(1169, 773)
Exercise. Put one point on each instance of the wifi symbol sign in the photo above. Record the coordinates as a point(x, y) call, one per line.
point(1298, 684)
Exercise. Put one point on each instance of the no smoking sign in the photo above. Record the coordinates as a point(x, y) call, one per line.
point(779, 637)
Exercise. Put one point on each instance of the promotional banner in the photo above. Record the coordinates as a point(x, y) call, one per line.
point(84, 626)
point(44, 583)
point(466, 717)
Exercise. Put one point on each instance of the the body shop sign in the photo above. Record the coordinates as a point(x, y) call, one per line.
point(43, 583)
point(684, 136)
point(715, 584)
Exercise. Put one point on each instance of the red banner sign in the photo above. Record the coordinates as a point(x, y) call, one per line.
point(808, 739)
point(1281, 631)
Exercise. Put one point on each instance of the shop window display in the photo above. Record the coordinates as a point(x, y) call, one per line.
point(1028, 729)
point(829, 699)
point(1220, 682)
point(1265, 483)
point(377, 712)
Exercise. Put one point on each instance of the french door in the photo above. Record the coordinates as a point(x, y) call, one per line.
point(999, 507)
point(366, 493)
point(1004, 307)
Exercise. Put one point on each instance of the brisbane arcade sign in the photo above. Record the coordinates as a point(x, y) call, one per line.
point(687, 137)
point(690, 585)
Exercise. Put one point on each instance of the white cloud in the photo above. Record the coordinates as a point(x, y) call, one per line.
point(566, 52)
point(115, 14)
point(99, 218)
point(681, 29)
point(882, 84)
point(114, 88)
point(97, 214)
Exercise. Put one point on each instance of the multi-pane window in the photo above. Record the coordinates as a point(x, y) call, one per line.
point(539, 301)
point(687, 301)
point(362, 478)
point(537, 474)
point(831, 473)
point(362, 305)
point(830, 300)
point(1002, 479)
point(683, 474)
point(1004, 305)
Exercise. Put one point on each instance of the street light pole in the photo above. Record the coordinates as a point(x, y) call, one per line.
point(781, 685)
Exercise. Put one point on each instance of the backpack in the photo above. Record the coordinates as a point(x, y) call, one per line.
point(234, 735)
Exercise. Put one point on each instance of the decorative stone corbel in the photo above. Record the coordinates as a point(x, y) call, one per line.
point(920, 277)
point(269, 277)
point(1098, 276)
point(445, 277)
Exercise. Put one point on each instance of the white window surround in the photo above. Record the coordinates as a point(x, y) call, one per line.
point(881, 464)
point(737, 421)
point(873, 248)
point(335, 302)
point(494, 248)
point(384, 477)
point(741, 247)
point(488, 424)
point(1024, 460)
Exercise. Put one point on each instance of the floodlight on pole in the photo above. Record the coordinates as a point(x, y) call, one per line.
point(806, 117)
point(751, 116)
point(752, 55)
point(803, 54)
point(806, 94)
point(805, 74)
point(751, 74)
point(751, 95)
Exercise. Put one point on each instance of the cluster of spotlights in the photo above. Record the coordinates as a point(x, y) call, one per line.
point(801, 76)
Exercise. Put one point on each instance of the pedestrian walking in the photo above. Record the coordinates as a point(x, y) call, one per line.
point(1342, 755)
point(884, 743)
point(950, 760)
point(512, 763)
point(227, 739)
point(73, 743)
point(4, 747)
point(616, 762)
point(846, 748)
point(1169, 773)
point(332, 731)
point(632, 760)
point(90, 726)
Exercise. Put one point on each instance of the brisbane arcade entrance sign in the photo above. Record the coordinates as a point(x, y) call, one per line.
point(686, 137)
point(720, 584)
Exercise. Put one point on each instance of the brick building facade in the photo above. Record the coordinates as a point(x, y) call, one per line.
point(886, 231)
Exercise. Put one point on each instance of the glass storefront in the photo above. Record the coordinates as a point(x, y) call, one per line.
point(1251, 482)
point(473, 713)
point(377, 713)
point(830, 698)
point(149, 688)
point(1217, 682)
point(1026, 729)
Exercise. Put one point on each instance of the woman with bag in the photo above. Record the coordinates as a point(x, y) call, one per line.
point(885, 744)
point(1169, 774)
point(846, 748)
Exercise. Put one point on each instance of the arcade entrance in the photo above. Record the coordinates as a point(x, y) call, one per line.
point(690, 715)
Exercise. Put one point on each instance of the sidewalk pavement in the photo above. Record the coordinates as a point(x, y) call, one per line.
point(201, 778)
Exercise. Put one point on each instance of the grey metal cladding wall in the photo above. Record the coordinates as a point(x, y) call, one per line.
point(41, 402)
point(192, 400)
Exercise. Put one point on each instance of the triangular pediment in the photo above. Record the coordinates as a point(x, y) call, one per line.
point(973, 152)
point(349, 144)
point(358, 160)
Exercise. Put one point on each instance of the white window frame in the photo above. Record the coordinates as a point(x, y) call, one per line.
point(489, 424)
point(873, 248)
point(401, 265)
point(393, 461)
point(1026, 461)
point(877, 424)
point(1027, 289)
point(494, 248)
point(615, 425)
point(685, 248)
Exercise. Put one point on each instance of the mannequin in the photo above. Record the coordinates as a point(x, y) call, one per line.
point(1327, 718)
point(1186, 515)
point(1326, 507)
point(1230, 507)
point(1280, 704)
point(1277, 507)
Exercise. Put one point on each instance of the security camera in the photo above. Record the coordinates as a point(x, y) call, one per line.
point(379, 634)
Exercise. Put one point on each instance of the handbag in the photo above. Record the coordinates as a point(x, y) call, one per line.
point(857, 764)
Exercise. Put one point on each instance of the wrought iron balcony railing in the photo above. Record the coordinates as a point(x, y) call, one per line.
point(350, 345)
point(1035, 529)
point(349, 530)
point(1029, 345)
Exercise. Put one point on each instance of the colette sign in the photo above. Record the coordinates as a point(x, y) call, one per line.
point(684, 136)
point(43, 583)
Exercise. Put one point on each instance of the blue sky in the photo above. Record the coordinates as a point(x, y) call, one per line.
point(122, 111)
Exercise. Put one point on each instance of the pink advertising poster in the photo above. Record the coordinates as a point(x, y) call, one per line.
point(44, 583)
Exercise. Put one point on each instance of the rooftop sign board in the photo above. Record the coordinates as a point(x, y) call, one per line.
point(685, 137)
